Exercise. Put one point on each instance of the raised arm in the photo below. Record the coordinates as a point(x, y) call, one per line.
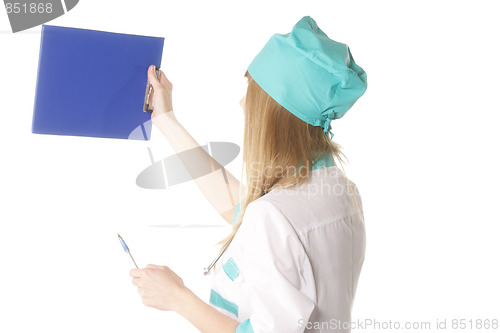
point(218, 185)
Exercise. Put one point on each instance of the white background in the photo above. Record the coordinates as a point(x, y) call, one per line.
point(422, 145)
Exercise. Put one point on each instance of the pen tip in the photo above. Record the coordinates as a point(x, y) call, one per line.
point(119, 237)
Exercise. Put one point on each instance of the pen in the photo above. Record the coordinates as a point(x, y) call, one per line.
point(125, 247)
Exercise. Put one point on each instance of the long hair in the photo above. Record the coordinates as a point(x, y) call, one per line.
point(277, 149)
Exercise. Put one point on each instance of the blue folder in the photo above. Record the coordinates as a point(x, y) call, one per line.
point(92, 83)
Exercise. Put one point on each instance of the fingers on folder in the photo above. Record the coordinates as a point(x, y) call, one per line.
point(158, 84)
point(152, 78)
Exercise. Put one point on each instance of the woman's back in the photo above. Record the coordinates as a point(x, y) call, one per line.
point(331, 229)
point(298, 256)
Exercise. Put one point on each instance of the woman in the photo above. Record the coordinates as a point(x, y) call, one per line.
point(293, 259)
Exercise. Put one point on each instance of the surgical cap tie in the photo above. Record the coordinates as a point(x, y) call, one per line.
point(327, 129)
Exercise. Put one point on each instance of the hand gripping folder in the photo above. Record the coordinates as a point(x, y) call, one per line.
point(92, 83)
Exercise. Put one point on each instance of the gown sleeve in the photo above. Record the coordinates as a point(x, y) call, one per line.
point(277, 272)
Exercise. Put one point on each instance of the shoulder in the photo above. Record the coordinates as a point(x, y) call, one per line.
point(264, 212)
point(263, 219)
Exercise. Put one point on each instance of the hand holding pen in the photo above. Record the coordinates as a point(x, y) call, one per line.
point(125, 247)
point(158, 286)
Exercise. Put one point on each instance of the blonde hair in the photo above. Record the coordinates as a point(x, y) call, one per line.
point(275, 139)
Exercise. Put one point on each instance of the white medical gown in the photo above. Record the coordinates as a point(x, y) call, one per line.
point(293, 266)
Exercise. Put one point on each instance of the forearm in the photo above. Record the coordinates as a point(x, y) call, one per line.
point(218, 185)
point(203, 316)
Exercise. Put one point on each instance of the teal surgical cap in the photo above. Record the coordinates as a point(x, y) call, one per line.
point(309, 74)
